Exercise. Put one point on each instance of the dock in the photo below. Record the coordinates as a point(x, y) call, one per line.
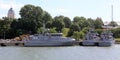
point(11, 43)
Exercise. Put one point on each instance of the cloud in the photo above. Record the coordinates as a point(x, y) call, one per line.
point(6, 5)
point(62, 10)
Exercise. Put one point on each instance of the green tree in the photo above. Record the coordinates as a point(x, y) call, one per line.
point(53, 30)
point(5, 26)
point(59, 25)
point(31, 18)
point(60, 18)
point(49, 24)
point(78, 35)
point(90, 22)
point(113, 23)
point(81, 21)
point(65, 31)
point(116, 32)
point(98, 23)
point(67, 22)
point(76, 19)
point(74, 27)
point(85, 30)
point(99, 31)
point(47, 19)
point(82, 35)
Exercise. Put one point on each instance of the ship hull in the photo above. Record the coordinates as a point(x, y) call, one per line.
point(48, 43)
point(106, 43)
point(89, 43)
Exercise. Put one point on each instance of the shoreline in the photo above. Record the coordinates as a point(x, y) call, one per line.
point(21, 43)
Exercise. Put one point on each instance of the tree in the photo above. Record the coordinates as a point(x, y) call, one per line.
point(65, 31)
point(78, 35)
point(99, 31)
point(98, 23)
point(73, 27)
point(59, 25)
point(49, 24)
point(76, 19)
point(90, 22)
point(67, 22)
point(31, 17)
point(85, 30)
point(113, 23)
point(46, 19)
point(60, 18)
point(5, 26)
point(116, 32)
point(82, 22)
point(52, 30)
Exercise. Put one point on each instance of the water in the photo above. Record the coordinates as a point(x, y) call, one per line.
point(60, 53)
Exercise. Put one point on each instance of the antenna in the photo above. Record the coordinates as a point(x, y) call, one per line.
point(112, 12)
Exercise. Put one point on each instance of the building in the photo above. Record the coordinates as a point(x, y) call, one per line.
point(11, 13)
point(106, 26)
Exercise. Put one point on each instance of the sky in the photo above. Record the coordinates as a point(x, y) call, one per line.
point(70, 8)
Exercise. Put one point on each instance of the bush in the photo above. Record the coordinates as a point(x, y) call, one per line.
point(70, 33)
point(82, 35)
point(85, 30)
point(53, 30)
point(116, 32)
point(65, 31)
point(99, 31)
point(78, 35)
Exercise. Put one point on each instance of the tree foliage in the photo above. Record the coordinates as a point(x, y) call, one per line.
point(113, 23)
point(78, 35)
point(31, 18)
point(116, 32)
point(98, 23)
point(59, 25)
point(67, 22)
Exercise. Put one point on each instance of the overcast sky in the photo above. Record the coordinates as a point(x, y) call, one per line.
point(69, 8)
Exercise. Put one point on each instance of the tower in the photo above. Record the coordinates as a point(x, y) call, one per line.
point(11, 13)
point(111, 12)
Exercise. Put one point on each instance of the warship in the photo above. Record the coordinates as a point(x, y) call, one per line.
point(91, 38)
point(106, 39)
point(49, 39)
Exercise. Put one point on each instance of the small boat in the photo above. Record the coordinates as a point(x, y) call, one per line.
point(91, 39)
point(106, 39)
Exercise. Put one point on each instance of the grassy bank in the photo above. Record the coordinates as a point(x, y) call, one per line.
point(117, 40)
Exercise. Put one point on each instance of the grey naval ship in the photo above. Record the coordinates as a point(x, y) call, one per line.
point(91, 38)
point(106, 39)
point(48, 39)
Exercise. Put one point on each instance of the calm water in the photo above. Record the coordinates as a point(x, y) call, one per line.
point(60, 53)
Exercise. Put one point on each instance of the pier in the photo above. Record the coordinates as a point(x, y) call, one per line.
point(11, 43)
